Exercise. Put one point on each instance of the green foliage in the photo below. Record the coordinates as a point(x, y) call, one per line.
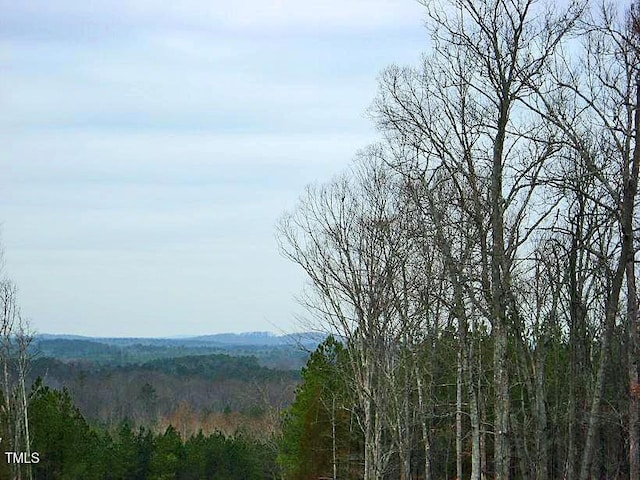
point(168, 456)
point(67, 446)
point(130, 453)
point(320, 413)
point(70, 449)
point(221, 458)
point(217, 367)
point(114, 352)
point(213, 367)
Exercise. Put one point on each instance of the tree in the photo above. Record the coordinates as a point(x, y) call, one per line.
point(316, 437)
point(594, 103)
point(350, 237)
point(509, 169)
point(167, 459)
point(68, 449)
point(463, 116)
point(15, 358)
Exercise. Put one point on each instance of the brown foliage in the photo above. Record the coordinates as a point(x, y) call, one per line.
point(635, 390)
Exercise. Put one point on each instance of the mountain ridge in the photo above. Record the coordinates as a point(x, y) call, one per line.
point(256, 338)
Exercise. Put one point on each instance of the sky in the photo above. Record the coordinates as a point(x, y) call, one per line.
point(148, 148)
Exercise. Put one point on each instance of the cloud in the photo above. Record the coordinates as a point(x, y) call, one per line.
point(68, 20)
point(149, 148)
point(106, 231)
point(190, 81)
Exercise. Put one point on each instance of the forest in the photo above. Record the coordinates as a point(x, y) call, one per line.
point(474, 273)
point(479, 263)
point(284, 353)
point(98, 411)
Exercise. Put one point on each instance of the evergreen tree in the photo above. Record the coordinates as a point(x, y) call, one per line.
point(67, 447)
point(317, 436)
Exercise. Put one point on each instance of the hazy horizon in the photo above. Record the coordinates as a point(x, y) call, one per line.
point(150, 149)
point(178, 337)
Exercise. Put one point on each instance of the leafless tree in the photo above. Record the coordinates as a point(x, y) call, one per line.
point(464, 114)
point(503, 197)
point(592, 97)
point(368, 281)
point(15, 356)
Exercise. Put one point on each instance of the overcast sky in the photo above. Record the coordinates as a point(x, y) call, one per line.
point(147, 149)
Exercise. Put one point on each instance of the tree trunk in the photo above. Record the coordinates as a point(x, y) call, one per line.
point(634, 387)
point(426, 440)
point(630, 182)
point(484, 473)
point(502, 453)
point(334, 460)
point(499, 285)
point(459, 415)
point(632, 316)
point(475, 430)
point(542, 442)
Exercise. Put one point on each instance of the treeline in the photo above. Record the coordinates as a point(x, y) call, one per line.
point(217, 367)
point(212, 367)
point(69, 448)
point(117, 352)
point(480, 262)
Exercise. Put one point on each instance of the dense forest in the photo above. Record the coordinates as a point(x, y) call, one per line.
point(475, 273)
point(480, 261)
point(288, 353)
point(88, 415)
point(70, 448)
point(209, 392)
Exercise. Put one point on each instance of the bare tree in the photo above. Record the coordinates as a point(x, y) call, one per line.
point(15, 356)
point(503, 199)
point(343, 238)
point(465, 116)
point(593, 100)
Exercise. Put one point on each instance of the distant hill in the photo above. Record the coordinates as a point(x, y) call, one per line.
point(288, 352)
point(262, 338)
point(307, 339)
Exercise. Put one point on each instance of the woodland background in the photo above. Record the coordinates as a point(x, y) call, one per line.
point(474, 274)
